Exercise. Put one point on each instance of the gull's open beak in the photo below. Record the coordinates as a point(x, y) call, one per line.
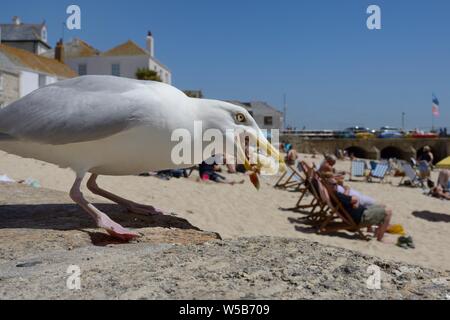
point(269, 164)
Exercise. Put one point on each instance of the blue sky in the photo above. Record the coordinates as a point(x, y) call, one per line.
point(335, 71)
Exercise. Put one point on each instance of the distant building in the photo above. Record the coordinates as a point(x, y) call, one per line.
point(30, 70)
point(266, 116)
point(122, 61)
point(29, 37)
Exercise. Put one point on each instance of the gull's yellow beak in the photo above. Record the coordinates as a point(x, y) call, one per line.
point(269, 164)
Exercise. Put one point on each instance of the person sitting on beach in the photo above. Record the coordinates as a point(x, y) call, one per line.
point(327, 168)
point(373, 215)
point(328, 165)
point(442, 190)
point(425, 163)
point(291, 155)
point(336, 179)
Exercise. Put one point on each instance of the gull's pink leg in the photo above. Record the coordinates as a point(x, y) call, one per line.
point(129, 205)
point(102, 220)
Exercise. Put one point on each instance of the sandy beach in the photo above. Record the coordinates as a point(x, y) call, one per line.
point(242, 211)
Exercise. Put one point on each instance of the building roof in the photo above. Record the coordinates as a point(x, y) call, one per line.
point(128, 48)
point(22, 32)
point(27, 60)
point(6, 64)
point(76, 48)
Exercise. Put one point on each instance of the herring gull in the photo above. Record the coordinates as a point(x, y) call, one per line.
point(106, 125)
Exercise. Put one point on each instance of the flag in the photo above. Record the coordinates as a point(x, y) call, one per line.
point(435, 107)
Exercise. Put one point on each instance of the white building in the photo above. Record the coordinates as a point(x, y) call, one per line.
point(123, 60)
point(266, 116)
point(33, 72)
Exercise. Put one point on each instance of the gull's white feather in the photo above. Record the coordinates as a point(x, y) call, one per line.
point(99, 124)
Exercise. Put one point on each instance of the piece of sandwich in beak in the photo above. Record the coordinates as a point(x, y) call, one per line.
point(262, 160)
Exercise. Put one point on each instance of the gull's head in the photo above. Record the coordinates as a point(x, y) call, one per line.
point(250, 145)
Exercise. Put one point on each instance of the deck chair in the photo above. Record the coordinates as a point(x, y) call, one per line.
point(337, 218)
point(292, 178)
point(411, 174)
point(379, 172)
point(424, 170)
point(315, 209)
point(357, 169)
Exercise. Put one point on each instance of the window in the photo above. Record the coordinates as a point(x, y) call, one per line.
point(82, 69)
point(1, 82)
point(115, 69)
point(42, 80)
point(268, 121)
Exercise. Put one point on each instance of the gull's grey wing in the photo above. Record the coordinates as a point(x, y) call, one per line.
point(76, 110)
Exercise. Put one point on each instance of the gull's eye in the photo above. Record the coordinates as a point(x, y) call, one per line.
point(240, 117)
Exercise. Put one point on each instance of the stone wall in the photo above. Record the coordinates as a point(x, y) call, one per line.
point(10, 91)
point(404, 148)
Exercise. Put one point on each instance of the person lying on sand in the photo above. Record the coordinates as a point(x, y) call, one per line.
point(373, 215)
point(209, 172)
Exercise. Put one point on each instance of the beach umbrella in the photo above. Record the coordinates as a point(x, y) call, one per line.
point(444, 164)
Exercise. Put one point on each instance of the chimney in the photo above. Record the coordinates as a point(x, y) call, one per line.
point(59, 51)
point(16, 20)
point(150, 44)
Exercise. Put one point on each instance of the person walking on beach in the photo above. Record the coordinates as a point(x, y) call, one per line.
point(427, 156)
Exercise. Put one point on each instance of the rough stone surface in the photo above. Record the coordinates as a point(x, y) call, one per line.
point(44, 235)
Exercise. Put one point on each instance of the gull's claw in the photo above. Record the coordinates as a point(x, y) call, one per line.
point(116, 230)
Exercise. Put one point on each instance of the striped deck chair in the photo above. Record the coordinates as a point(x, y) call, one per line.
point(292, 178)
point(379, 172)
point(357, 169)
point(411, 174)
point(337, 217)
